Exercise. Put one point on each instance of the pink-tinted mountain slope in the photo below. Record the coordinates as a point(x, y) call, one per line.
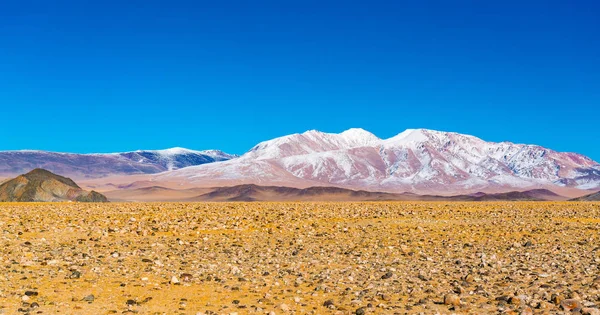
point(417, 160)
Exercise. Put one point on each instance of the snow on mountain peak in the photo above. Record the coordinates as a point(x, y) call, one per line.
point(312, 132)
point(413, 159)
point(173, 151)
point(433, 137)
point(357, 132)
point(312, 141)
point(359, 137)
point(409, 135)
point(177, 151)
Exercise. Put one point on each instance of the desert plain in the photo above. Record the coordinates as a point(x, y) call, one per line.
point(300, 258)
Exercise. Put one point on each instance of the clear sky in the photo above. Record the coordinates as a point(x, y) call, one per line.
point(103, 76)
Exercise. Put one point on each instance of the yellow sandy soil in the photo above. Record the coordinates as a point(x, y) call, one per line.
point(293, 257)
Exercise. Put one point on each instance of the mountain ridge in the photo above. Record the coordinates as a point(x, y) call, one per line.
point(417, 160)
point(421, 161)
point(252, 192)
point(96, 165)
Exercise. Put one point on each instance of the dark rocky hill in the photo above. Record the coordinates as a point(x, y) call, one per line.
point(41, 185)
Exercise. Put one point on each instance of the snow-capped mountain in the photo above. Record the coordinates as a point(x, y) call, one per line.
point(417, 160)
point(106, 164)
point(176, 158)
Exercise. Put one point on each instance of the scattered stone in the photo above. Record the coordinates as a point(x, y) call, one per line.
point(452, 299)
point(515, 300)
point(186, 277)
point(367, 257)
point(89, 298)
point(590, 311)
point(468, 278)
point(387, 275)
point(526, 311)
point(503, 298)
point(556, 299)
point(570, 305)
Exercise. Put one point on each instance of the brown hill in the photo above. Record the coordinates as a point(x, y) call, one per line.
point(42, 185)
point(252, 192)
point(591, 197)
point(527, 195)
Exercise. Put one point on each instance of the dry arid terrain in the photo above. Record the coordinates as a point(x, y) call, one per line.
point(300, 258)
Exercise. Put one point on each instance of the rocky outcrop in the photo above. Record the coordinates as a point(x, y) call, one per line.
point(41, 185)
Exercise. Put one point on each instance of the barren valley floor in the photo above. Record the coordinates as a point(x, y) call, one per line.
point(300, 258)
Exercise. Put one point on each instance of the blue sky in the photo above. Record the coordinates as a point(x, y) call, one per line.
point(103, 76)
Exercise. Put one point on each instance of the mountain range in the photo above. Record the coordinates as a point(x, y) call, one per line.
point(251, 192)
point(100, 165)
point(418, 161)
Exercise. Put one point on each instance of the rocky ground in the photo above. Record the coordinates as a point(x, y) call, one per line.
point(296, 258)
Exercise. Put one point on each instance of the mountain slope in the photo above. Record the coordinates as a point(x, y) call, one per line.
point(590, 197)
point(42, 185)
point(102, 165)
point(416, 160)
